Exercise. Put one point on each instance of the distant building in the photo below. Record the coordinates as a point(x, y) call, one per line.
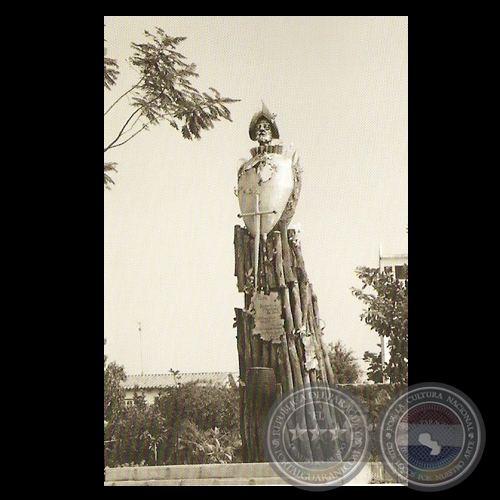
point(150, 385)
point(395, 264)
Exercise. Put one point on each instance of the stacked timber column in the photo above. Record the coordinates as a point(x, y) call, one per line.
point(291, 356)
point(279, 338)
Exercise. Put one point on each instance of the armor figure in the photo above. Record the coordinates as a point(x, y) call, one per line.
point(269, 182)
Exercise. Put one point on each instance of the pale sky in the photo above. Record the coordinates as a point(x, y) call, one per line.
point(339, 88)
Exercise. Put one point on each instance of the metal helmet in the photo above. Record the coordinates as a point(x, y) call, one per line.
point(266, 114)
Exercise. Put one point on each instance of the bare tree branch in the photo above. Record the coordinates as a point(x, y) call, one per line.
point(123, 128)
point(123, 95)
point(144, 125)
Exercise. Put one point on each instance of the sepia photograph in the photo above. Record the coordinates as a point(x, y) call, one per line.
point(256, 259)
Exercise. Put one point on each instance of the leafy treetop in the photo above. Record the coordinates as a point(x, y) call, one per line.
point(163, 93)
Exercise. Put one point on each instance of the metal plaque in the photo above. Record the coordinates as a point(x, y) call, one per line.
point(268, 320)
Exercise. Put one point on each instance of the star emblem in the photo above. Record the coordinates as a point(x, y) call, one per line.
point(297, 433)
point(314, 433)
point(334, 433)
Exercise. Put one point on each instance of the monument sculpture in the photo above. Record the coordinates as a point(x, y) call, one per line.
point(279, 338)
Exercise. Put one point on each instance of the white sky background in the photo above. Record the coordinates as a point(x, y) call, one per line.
point(339, 87)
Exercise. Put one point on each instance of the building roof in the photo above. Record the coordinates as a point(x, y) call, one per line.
point(159, 381)
point(395, 256)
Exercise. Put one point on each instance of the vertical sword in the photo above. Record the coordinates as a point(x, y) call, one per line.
point(257, 215)
point(256, 243)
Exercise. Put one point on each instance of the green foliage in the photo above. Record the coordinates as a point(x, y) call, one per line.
point(374, 360)
point(344, 364)
point(387, 314)
point(114, 403)
point(374, 397)
point(164, 92)
point(108, 167)
point(186, 424)
point(214, 446)
point(110, 72)
point(208, 406)
point(114, 394)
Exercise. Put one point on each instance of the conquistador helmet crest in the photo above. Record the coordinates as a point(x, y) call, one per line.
point(264, 113)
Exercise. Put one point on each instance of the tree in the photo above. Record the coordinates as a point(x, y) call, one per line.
point(387, 314)
point(375, 372)
point(114, 404)
point(344, 364)
point(114, 394)
point(187, 423)
point(163, 93)
point(202, 422)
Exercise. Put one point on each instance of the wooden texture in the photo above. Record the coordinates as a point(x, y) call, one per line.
point(239, 248)
point(281, 365)
point(260, 394)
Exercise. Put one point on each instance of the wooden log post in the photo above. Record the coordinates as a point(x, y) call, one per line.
point(260, 393)
point(270, 367)
point(239, 247)
point(287, 381)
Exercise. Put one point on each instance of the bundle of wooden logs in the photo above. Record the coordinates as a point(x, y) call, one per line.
point(269, 367)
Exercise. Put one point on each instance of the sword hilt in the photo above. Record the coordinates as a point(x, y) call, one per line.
point(258, 213)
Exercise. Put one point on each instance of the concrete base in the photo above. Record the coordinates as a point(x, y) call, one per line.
point(236, 474)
